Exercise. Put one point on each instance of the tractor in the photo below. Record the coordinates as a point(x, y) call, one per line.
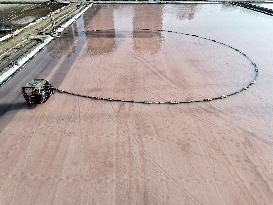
point(37, 91)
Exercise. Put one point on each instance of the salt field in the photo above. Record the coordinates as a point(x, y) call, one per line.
point(74, 150)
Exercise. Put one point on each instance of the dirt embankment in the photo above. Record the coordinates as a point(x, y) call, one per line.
point(34, 34)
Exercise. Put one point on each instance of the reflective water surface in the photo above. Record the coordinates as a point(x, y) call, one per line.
point(165, 65)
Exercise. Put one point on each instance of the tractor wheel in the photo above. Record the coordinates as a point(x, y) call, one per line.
point(28, 101)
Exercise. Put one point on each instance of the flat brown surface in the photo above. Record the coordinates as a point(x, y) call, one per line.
point(77, 151)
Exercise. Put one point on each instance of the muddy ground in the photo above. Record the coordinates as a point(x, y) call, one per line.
point(78, 151)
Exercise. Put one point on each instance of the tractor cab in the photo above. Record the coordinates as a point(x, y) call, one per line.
point(37, 91)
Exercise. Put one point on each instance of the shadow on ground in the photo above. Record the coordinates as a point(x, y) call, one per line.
point(5, 108)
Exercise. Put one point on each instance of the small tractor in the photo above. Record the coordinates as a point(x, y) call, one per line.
point(37, 91)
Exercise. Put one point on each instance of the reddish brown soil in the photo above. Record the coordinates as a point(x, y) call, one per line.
point(77, 151)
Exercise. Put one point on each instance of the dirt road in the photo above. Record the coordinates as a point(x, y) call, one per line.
point(78, 151)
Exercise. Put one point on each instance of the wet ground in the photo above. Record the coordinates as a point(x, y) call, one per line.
point(78, 151)
point(15, 16)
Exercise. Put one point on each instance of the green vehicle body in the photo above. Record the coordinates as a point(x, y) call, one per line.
point(37, 91)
